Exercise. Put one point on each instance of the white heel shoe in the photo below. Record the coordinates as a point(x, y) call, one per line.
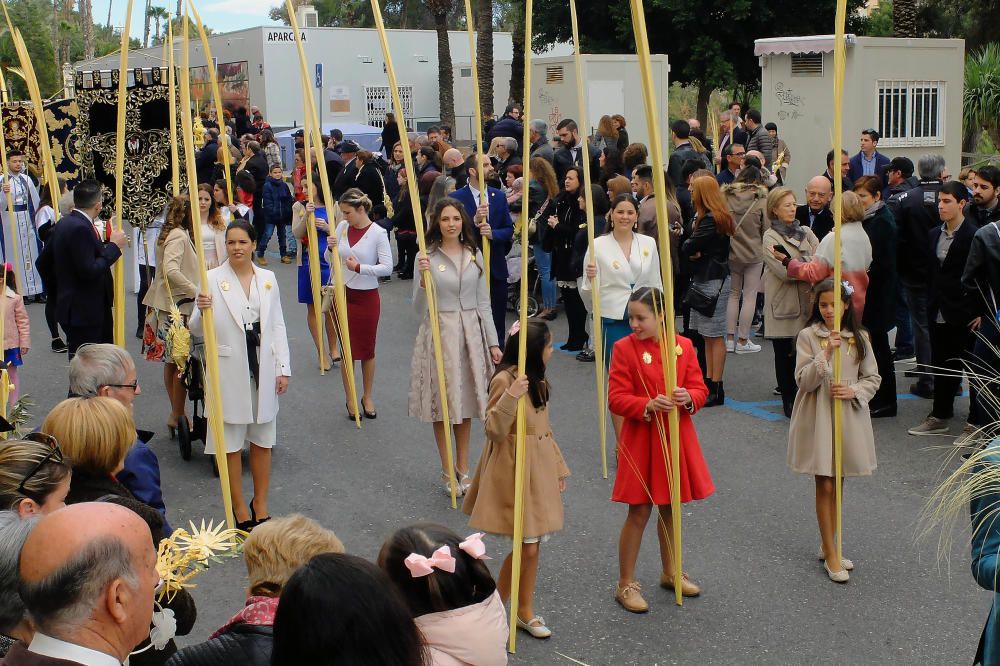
point(844, 562)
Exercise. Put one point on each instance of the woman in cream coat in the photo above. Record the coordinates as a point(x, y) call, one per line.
point(247, 316)
point(468, 337)
point(177, 264)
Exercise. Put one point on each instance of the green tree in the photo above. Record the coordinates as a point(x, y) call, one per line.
point(904, 18)
point(440, 10)
point(981, 98)
point(33, 18)
point(879, 23)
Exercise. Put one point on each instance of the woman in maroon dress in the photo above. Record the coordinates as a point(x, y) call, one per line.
point(636, 391)
point(363, 248)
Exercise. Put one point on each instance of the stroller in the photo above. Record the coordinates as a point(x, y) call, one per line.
point(514, 279)
point(194, 383)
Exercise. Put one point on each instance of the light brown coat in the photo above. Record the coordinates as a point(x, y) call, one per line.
point(747, 204)
point(177, 261)
point(489, 502)
point(810, 435)
point(787, 301)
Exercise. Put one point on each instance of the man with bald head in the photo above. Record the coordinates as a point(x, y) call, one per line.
point(88, 578)
point(815, 212)
point(454, 164)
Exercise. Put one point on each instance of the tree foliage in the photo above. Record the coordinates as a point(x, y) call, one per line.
point(879, 23)
point(981, 98)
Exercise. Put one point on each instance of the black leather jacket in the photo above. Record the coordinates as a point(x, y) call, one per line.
point(240, 645)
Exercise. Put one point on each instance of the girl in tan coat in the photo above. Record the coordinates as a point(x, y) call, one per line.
point(810, 436)
point(490, 499)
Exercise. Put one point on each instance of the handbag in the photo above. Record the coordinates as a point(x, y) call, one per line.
point(703, 293)
point(533, 222)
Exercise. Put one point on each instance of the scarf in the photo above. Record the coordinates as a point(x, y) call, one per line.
point(795, 230)
point(872, 210)
point(258, 611)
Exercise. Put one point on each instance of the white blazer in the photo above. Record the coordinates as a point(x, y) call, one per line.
point(372, 251)
point(234, 373)
point(615, 276)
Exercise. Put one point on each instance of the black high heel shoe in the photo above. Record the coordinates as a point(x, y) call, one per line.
point(368, 415)
point(253, 514)
point(350, 417)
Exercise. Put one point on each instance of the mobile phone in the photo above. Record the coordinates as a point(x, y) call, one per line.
point(781, 249)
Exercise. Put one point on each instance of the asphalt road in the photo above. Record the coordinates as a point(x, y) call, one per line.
point(751, 545)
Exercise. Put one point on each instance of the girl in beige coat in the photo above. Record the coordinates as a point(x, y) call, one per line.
point(490, 499)
point(810, 437)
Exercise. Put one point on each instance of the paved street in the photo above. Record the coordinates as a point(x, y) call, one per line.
point(751, 546)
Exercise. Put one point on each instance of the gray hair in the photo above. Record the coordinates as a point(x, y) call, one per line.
point(97, 365)
point(13, 533)
point(510, 143)
point(539, 127)
point(65, 599)
point(930, 166)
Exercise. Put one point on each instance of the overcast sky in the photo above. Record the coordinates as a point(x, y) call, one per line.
point(219, 15)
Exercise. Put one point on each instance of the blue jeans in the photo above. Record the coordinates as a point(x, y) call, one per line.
point(543, 262)
point(286, 240)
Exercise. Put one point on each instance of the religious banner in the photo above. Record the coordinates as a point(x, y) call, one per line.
point(147, 187)
point(61, 118)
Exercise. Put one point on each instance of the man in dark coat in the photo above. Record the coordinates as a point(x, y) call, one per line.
point(79, 263)
point(815, 213)
point(205, 161)
point(510, 125)
point(680, 134)
point(868, 161)
point(571, 151)
point(257, 166)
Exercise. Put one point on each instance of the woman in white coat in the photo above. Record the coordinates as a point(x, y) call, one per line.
point(254, 365)
point(622, 261)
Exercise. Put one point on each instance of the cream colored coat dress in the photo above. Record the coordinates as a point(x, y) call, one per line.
point(810, 435)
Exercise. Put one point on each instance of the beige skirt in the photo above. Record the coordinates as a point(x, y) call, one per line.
point(468, 369)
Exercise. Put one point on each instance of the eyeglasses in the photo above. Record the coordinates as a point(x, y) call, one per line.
point(55, 455)
point(737, 154)
point(134, 385)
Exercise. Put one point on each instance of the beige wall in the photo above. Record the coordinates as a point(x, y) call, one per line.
point(802, 106)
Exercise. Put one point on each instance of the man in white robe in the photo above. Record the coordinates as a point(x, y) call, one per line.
point(21, 229)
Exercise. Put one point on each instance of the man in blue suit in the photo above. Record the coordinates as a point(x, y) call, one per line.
point(868, 161)
point(492, 221)
point(79, 262)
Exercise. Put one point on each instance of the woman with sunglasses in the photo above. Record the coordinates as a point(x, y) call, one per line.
point(34, 477)
point(95, 434)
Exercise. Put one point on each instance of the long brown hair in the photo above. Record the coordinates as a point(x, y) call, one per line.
point(708, 200)
point(607, 128)
point(433, 236)
point(178, 217)
point(214, 216)
point(542, 171)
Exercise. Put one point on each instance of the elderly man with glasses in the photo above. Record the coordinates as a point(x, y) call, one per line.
point(109, 371)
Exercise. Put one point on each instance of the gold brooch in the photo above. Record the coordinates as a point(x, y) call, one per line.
point(615, 265)
point(647, 358)
point(645, 253)
point(678, 350)
point(824, 343)
point(267, 285)
point(441, 268)
point(224, 285)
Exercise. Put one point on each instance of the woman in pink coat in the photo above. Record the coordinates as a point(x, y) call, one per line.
point(16, 331)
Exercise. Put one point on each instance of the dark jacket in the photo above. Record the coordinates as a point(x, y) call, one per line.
point(18, 655)
point(506, 126)
point(711, 245)
point(917, 215)
point(947, 294)
point(982, 216)
point(880, 298)
point(85, 487)
point(334, 165)
point(460, 175)
point(857, 168)
point(559, 240)
point(390, 136)
point(564, 159)
point(141, 476)
point(678, 157)
point(821, 225)
point(277, 205)
point(890, 193)
point(205, 162)
point(81, 265)
point(240, 645)
point(367, 178)
point(500, 223)
point(257, 166)
point(758, 139)
point(845, 182)
point(982, 270)
point(542, 148)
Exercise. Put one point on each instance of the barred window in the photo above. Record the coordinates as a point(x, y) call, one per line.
point(910, 113)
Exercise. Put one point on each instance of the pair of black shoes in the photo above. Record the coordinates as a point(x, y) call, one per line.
point(248, 525)
point(716, 394)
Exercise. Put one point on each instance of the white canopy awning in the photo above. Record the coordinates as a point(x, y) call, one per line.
point(808, 44)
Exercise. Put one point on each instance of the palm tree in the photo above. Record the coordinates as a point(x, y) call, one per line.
point(146, 16)
point(904, 18)
point(516, 92)
point(484, 55)
point(158, 14)
point(981, 99)
point(87, 19)
point(440, 9)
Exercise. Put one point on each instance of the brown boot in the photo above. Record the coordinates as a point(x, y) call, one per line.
point(630, 597)
point(688, 587)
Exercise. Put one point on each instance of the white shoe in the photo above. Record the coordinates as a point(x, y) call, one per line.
point(844, 562)
point(837, 576)
point(730, 345)
point(459, 489)
point(535, 626)
point(748, 348)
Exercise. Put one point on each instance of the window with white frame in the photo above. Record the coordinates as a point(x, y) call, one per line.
point(910, 113)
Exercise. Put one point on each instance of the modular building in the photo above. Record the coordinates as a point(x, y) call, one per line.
point(909, 90)
point(612, 85)
point(260, 66)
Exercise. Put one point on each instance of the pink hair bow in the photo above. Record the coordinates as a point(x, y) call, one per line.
point(420, 566)
point(474, 546)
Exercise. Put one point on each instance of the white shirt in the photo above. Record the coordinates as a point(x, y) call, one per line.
point(59, 649)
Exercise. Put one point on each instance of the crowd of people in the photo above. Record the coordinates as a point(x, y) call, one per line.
point(919, 255)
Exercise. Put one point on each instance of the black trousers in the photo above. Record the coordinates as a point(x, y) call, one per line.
point(886, 394)
point(77, 336)
point(576, 317)
point(146, 275)
point(784, 371)
point(498, 302)
point(951, 344)
point(983, 411)
point(50, 315)
point(407, 250)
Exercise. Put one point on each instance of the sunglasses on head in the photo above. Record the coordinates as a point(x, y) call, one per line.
point(54, 454)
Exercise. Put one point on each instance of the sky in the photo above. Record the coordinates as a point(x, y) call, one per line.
point(219, 15)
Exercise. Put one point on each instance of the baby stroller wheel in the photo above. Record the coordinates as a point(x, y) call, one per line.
point(532, 306)
point(184, 438)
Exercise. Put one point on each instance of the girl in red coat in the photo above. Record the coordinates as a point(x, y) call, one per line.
point(637, 392)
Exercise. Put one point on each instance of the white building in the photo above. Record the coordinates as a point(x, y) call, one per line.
point(910, 90)
point(260, 66)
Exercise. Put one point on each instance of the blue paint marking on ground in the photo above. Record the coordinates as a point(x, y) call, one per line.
point(761, 409)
